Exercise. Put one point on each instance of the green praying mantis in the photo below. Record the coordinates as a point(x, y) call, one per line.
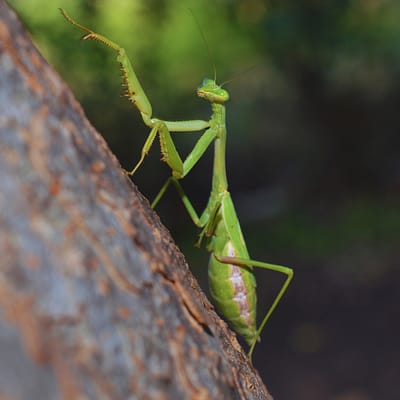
point(230, 271)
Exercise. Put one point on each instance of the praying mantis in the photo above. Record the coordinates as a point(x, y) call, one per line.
point(231, 279)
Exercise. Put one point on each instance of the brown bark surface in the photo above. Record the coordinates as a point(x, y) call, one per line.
point(96, 301)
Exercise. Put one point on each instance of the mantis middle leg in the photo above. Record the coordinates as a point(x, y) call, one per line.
point(206, 215)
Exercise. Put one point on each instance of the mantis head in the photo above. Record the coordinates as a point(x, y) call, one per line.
point(212, 92)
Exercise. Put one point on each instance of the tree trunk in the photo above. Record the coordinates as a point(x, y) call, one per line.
point(96, 301)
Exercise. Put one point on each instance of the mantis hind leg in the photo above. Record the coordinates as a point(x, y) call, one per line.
point(272, 267)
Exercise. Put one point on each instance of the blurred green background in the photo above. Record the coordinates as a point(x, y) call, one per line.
point(313, 159)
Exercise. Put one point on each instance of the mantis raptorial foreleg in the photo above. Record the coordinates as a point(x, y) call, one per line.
point(137, 96)
point(232, 283)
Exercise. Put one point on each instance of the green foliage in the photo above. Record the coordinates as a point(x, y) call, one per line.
point(162, 38)
point(350, 43)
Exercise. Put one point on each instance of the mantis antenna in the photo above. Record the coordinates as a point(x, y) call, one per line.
point(237, 75)
point(210, 55)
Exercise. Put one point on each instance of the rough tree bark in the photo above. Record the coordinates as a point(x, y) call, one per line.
point(96, 301)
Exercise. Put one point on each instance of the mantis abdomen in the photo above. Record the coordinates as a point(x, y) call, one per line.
point(233, 291)
point(232, 287)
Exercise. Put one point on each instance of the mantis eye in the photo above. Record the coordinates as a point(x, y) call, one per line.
point(207, 84)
